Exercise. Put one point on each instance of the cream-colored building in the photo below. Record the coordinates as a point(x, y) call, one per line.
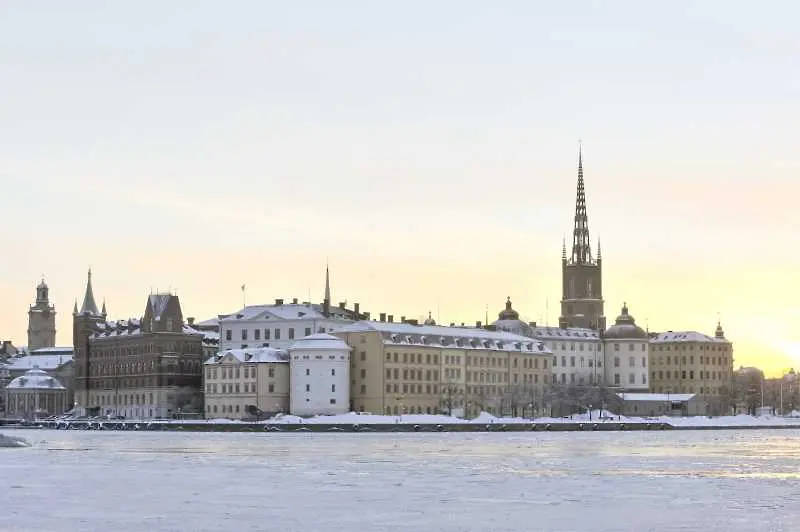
point(692, 362)
point(246, 383)
point(401, 368)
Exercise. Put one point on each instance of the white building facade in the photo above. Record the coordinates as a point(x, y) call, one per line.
point(627, 348)
point(320, 376)
point(278, 325)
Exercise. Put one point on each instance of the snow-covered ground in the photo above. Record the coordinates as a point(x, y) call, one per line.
point(665, 481)
point(485, 418)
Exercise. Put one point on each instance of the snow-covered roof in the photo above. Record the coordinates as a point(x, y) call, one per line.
point(289, 311)
point(321, 341)
point(46, 362)
point(211, 322)
point(35, 379)
point(53, 350)
point(663, 397)
point(569, 333)
point(251, 355)
point(685, 336)
point(440, 336)
point(133, 327)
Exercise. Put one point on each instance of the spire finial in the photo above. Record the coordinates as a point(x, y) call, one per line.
point(599, 253)
point(581, 247)
point(564, 248)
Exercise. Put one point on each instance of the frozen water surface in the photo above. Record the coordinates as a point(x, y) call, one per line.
point(598, 481)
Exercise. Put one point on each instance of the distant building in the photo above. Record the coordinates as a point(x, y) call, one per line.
point(142, 368)
point(319, 376)
point(35, 394)
point(398, 368)
point(692, 362)
point(41, 320)
point(57, 362)
point(627, 348)
point(210, 331)
point(246, 383)
point(280, 324)
point(659, 404)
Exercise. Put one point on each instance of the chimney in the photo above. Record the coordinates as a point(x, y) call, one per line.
point(356, 308)
point(294, 301)
point(190, 321)
point(452, 324)
point(532, 324)
point(383, 316)
point(367, 316)
point(390, 318)
point(462, 323)
point(412, 322)
point(402, 319)
point(341, 305)
point(477, 325)
point(279, 301)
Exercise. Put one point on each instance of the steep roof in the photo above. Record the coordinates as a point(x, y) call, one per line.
point(89, 306)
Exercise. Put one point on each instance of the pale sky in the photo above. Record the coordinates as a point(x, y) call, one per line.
point(426, 149)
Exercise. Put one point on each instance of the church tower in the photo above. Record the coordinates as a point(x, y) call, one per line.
point(581, 274)
point(41, 320)
point(85, 322)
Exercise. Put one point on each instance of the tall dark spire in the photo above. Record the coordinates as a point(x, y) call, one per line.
point(581, 248)
point(89, 306)
point(327, 284)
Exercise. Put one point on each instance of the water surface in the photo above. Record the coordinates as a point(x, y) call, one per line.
point(725, 481)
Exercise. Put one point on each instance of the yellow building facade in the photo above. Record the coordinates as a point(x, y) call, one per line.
point(399, 368)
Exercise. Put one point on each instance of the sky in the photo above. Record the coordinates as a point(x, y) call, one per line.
point(426, 150)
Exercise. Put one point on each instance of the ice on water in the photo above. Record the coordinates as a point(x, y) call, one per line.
point(727, 481)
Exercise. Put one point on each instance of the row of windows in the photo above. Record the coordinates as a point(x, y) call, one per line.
point(631, 362)
point(123, 399)
point(591, 363)
point(712, 361)
point(247, 387)
point(690, 347)
point(275, 333)
point(409, 374)
point(690, 389)
point(702, 375)
point(580, 379)
point(234, 373)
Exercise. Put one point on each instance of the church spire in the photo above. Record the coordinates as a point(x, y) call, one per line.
point(581, 248)
point(89, 306)
point(327, 284)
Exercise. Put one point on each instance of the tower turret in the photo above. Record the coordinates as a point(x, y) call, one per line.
point(41, 320)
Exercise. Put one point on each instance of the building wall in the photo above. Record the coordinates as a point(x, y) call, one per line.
point(272, 332)
point(41, 328)
point(582, 296)
point(25, 402)
point(627, 364)
point(320, 382)
point(704, 368)
point(231, 386)
point(396, 379)
point(577, 361)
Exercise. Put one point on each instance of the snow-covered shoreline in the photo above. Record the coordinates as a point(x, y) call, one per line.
point(485, 418)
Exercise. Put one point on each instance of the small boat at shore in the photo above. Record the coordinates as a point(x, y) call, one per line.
point(13, 441)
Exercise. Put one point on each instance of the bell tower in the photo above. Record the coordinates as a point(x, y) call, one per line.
point(41, 320)
point(581, 274)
